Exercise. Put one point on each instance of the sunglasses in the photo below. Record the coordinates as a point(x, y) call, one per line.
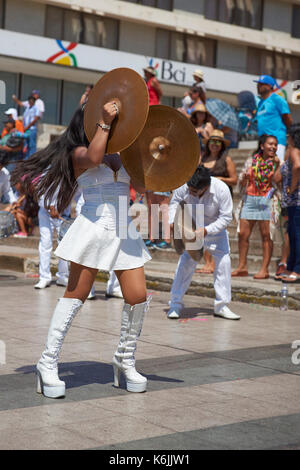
point(214, 141)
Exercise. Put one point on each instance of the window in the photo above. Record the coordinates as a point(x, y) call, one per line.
point(296, 22)
point(11, 84)
point(247, 13)
point(185, 48)
point(2, 13)
point(80, 27)
point(72, 93)
point(284, 66)
point(162, 4)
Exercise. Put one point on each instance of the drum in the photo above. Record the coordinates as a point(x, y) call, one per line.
point(8, 224)
point(65, 227)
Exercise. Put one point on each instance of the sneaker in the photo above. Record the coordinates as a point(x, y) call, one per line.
point(62, 282)
point(174, 313)
point(163, 245)
point(225, 312)
point(42, 284)
point(150, 244)
point(20, 235)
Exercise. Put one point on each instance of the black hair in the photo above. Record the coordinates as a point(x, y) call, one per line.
point(201, 178)
point(194, 119)
point(4, 157)
point(262, 140)
point(196, 89)
point(52, 166)
point(11, 121)
point(31, 98)
point(294, 133)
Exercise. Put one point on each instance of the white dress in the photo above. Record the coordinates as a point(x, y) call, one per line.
point(104, 236)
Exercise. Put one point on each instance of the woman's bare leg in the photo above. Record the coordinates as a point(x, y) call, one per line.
point(133, 285)
point(246, 227)
point(264, 226)
point(80, 281)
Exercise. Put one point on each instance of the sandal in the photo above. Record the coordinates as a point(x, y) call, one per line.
point(239, 274)
point(281, 268)
point(293, 279)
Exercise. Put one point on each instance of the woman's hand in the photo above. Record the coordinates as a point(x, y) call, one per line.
point(110, 111)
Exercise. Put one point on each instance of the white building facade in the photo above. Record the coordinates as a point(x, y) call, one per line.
point(58, 47)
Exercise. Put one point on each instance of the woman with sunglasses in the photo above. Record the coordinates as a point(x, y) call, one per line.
point(257, 204)
point(221, 166)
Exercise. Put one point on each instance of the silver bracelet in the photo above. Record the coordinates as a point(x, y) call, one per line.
point(103, 126)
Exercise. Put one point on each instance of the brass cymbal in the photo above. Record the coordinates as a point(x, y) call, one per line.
point(129, 91)
point(166, 153)
point(184, 237)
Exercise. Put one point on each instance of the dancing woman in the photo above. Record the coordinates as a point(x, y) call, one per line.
point(93, 242)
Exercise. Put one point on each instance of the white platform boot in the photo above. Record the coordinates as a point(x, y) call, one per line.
point(48, 381)
point(124, 361)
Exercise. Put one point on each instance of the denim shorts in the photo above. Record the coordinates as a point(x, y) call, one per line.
point(256, 208)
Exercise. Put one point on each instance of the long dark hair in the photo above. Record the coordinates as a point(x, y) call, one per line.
point(294, 133)
point(51, 168)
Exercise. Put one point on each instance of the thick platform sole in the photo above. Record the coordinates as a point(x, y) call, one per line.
point(134, 387)
point(48, 390)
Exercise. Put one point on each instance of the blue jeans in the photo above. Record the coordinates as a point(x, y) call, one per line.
point(30, 136)
point(294, 237)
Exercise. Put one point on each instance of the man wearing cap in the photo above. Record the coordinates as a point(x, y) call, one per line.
point(11, 113)
point(273, 113)
point(154, 89)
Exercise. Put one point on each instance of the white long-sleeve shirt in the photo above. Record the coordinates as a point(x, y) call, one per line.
point(217, 203)
point(5, 187)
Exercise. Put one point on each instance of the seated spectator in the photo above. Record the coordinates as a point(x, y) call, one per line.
point(85, 95)
point(11, 113)
point(12, 144)
point(258, 204)
point(25, 210)
point(6, 192)
point(195, 94)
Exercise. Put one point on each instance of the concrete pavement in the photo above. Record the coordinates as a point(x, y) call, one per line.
point(212, 383)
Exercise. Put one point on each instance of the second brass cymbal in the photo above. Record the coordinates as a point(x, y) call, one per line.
point(166, 153)
point(129, 91)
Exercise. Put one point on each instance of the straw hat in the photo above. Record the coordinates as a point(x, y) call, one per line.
point(217, 134)
point(198, 73)
point(150, 70)
point(199, 108)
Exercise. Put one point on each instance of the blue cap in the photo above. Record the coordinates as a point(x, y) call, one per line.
point(268, 80)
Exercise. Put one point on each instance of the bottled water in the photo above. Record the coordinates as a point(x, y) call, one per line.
point(284, 298)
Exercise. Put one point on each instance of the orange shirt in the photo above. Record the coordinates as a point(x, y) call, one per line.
point(253, 190)
point(18, 125)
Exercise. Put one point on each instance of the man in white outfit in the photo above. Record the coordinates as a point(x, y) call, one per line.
point(217, 202)
point(48, 221)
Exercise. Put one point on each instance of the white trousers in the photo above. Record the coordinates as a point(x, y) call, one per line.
point(112, 283)
point(47, 225)
point(218, 246)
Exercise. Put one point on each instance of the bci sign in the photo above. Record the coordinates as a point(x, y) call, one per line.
point(170, 73)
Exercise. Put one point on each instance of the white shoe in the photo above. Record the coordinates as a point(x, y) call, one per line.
point(174, 313)
point(42, 284)
point(225, 312)
point(115, 293)
point(92, 294)
point(61, 281)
